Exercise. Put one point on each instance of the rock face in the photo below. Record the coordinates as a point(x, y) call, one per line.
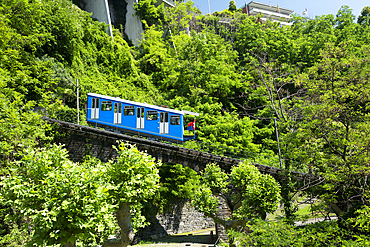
point(181, 218)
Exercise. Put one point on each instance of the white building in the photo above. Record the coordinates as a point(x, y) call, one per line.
point(269, 12)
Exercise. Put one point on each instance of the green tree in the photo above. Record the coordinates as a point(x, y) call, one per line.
point(310, 36)
point(68, 202)
point(364, 17)
point(154, 58)
point(64, 201)
point(20, 127)
point(148, 12)
point(232, 6)
point(176, 182)
point(252, 37)
point(133, 178)
point(228, 130)
point(182, 17)
point(344, 17)
point(273, 101)
point(246, 192)
point(345, 29)
point(336, 125)
point(206, 68)
point(25, 32)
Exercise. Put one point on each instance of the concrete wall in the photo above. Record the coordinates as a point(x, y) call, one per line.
point(104, 12)
point(100, 11)
point(133, 27)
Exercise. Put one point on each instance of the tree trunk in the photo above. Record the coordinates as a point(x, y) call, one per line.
point(69, 244)
point(339, 212)
point(124, 222)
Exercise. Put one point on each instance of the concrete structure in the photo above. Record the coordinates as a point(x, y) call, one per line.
point(105, 11)
point(269, 12)
point(100, 11)
point(133, 27)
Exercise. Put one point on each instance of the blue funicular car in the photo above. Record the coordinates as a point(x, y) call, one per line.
point(155, 122)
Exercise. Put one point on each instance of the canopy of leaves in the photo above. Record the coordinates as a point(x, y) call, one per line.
point(364, 17)
point(65, 201)
point(247, 193)
point(336, 122)
point(232, 6)
point(69, 201)
point(134, 175)
point(177, 182)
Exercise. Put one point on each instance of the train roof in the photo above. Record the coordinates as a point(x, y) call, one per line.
point(143, 104)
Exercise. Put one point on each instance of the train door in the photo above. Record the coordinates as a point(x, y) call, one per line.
point(163, 124)
point(140, 118)
point(95, 108)
point(117, 113)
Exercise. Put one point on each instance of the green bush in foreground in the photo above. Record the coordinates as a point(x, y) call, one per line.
point(65, 202)
point(262, 233)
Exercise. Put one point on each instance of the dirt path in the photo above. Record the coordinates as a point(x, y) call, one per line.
point(193, 239)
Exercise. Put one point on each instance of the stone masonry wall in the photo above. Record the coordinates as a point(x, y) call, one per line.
point(182, 218)
point(223, 212)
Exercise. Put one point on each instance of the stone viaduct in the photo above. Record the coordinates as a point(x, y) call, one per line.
point(82, 140)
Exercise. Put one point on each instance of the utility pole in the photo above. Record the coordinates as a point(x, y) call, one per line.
point(78, 104)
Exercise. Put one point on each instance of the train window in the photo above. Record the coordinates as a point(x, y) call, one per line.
point(175, 120)
point(151, 115)
point(106, 105)
point(129, 110)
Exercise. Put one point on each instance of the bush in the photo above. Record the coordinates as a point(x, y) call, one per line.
point(262, 233)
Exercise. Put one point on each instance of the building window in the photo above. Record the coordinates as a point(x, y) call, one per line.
point(151, 115)
point(175, 120)
point(106, 105)
point(129, 110)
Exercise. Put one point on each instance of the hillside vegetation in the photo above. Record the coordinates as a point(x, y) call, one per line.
point(311, 78)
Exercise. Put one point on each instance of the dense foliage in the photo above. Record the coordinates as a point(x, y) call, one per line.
point(262, 233)
point(247, 193)
point(66, 202)
point(312, 78)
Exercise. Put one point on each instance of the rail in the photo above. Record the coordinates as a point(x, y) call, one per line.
point(171, 153)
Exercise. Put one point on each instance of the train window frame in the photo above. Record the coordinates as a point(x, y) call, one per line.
point(173, 121)
point(151, 115)
point(106, 106)
point(127, 109)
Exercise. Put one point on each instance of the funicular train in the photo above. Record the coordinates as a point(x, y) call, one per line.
point(154, 122)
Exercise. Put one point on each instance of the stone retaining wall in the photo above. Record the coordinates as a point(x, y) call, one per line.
point(181, 218)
